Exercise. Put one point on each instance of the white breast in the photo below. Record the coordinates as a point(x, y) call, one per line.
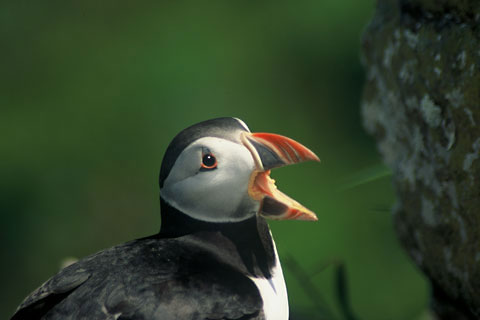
point(273, 292)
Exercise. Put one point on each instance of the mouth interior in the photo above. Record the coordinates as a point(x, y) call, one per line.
point(261, 184)
point(274, 203)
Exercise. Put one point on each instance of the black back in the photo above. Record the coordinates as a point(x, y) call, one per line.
point(151, 278)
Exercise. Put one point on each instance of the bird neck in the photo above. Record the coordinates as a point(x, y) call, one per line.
point(250, 237)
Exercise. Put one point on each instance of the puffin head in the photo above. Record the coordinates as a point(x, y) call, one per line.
point(218, 171)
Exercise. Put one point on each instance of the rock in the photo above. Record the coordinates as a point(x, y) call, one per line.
point(422, 105)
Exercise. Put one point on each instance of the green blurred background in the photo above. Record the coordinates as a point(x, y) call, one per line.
point(91, 93)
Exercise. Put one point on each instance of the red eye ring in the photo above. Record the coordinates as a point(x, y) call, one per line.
point(209, 161)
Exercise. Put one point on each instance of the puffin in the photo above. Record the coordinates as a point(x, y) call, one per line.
point(214, 257)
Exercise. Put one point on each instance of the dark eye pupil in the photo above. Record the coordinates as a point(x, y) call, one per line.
point(208, 160)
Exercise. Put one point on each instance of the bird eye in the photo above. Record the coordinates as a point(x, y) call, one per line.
point(209, 161)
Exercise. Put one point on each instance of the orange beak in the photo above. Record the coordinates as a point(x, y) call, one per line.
point(272, 151)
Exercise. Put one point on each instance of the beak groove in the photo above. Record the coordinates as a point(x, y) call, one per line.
point(276, 151)
point(288, 150)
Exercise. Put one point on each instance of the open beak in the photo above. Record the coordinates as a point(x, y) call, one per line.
point(272, 151)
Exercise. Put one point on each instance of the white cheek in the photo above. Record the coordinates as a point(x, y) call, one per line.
point(218, 194)
point(207, 199)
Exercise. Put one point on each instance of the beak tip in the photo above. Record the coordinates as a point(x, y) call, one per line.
point(312, 156)
point(309, 156)
point(311, 217)
point(306, 215)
